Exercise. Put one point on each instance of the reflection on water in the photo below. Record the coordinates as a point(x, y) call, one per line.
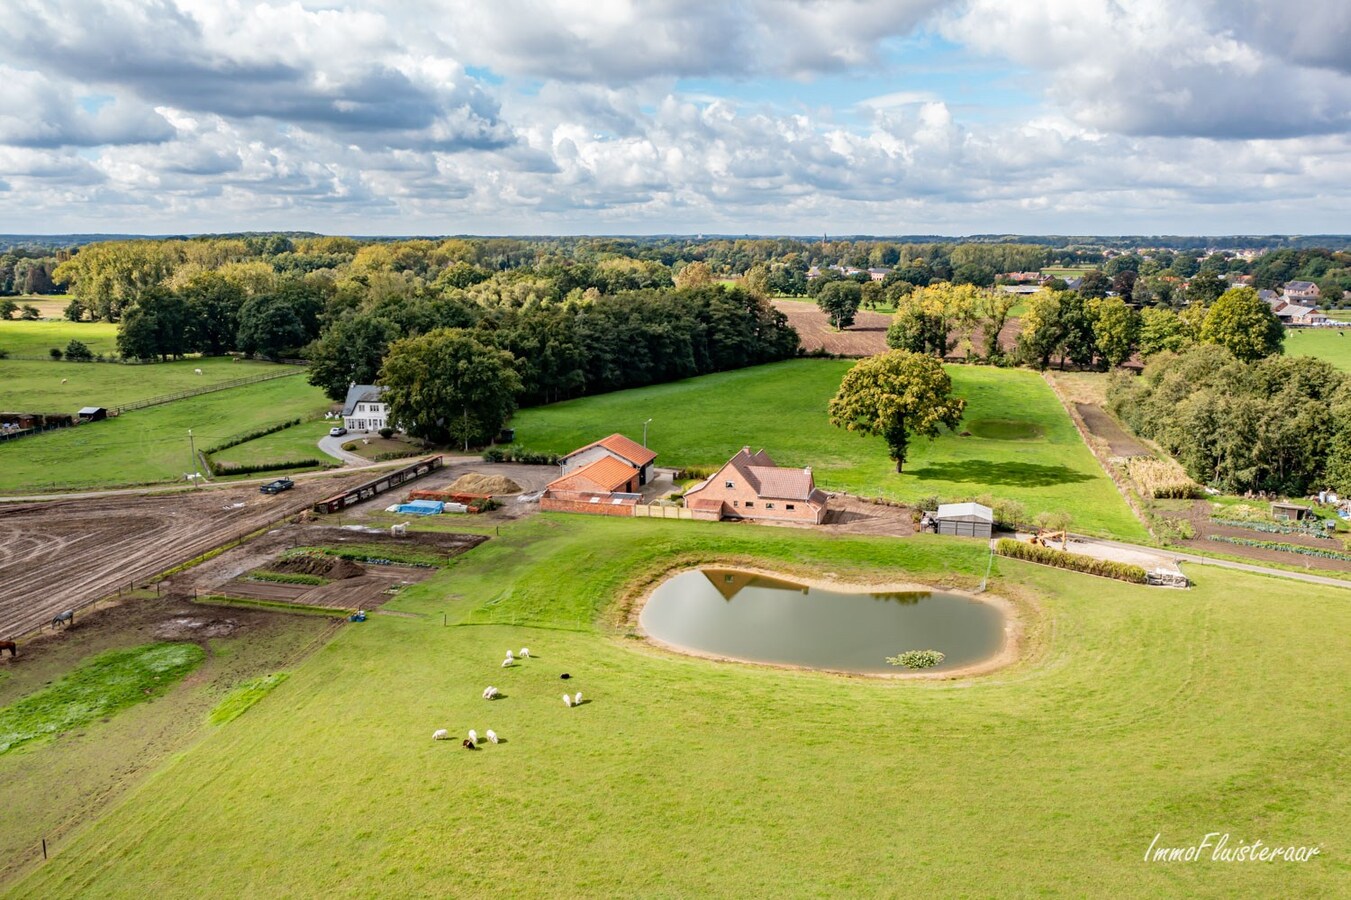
point(753, 617)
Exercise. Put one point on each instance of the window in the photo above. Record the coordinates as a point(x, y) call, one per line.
point(735, 503)
point(769, 506)
point(750, 503)
point(729, 485)
point(789, 506)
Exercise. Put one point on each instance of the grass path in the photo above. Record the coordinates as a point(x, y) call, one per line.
point(782, 408)
point(1224, 708)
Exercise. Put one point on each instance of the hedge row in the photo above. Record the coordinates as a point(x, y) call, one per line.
point(224, 469)
point(1060, 559)
point(1277, 545)
point(250, 435)
point(526, 457)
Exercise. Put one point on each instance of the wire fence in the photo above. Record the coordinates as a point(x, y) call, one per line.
point(207, 389)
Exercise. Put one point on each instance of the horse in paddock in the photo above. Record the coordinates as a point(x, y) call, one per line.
point(12, 647)
point(66, 618)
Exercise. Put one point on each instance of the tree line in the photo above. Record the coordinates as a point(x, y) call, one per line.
point(1277, 423)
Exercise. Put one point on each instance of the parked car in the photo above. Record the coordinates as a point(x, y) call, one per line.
point(276, 487)
point(337, 431)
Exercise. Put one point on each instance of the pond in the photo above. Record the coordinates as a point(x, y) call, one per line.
point(758, 618)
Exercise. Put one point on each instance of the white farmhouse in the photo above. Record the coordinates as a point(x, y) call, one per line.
point(364, 410)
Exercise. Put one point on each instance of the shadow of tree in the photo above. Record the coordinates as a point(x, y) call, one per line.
point(979, 471)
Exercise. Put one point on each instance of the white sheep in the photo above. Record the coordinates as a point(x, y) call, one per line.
point(525, 653)
point(63, 381)
point(440, 734)
point(507, 662)
point(473, 737)
point(490, 693)
point(577, 701)
point(197, 371)
point(509, 656)
point(567, 700)
point(492, 736)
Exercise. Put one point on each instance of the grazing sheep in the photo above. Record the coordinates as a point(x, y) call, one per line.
point(577, 701)
point(492, 736)
point(525, 653)
point(507, 662)
point(440, 734)
point(509, 656)
point(63, 381)
point(490, 693)
point(565, 676)
point(468, 744)
point(197, 371)
point(473, 736)
point(567, 700)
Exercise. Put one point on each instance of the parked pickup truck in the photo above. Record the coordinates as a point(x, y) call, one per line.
point(276, 487)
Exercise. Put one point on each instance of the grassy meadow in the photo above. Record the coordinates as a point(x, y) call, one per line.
point(1325, 343)
point(148, 446)
point(33, 386)
point(294, 443)
point(1022, 446)
point(1137, 712)
point(36, 338)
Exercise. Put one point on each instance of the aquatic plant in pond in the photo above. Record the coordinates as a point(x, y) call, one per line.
point(917, 659)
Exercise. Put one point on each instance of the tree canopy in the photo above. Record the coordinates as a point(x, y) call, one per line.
point(897, 395)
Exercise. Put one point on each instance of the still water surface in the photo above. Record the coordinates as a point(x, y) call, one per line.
point(747, 616)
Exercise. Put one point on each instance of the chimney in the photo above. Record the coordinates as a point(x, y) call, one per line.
point(746, 450)
point(807, 470)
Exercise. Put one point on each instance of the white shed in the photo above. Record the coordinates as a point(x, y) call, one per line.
point(965, 519)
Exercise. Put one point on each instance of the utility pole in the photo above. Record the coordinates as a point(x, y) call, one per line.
point(192, 447)
point(645, 424)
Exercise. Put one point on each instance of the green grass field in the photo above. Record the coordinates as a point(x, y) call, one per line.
point(1067, 271)
point(31, 386)
point(1325, 343)
point(782, 408)
point(27, 338)
point(1143, 712)
point(151, 445)
point(294, 443)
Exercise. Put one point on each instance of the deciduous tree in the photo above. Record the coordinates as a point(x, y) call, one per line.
point(897, 395)
point(1243, 324)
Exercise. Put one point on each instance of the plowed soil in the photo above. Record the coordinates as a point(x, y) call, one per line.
point(867, 336)
point(61, 554)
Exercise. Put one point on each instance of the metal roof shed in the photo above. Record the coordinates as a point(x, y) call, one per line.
point(965, 520)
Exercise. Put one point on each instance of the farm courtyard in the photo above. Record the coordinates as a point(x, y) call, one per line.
point(1130, 712)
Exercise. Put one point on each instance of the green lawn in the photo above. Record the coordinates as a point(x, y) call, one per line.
point(782, 408)
point(1325, 343)
point(1146, 712)
point(32, 386)
point(294, 443)
point(150, 445)
point(29, 338)
point(1067, 271)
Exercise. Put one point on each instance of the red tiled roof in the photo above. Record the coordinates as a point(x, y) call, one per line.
point(715, 505)
point(783, 484)
point(605, 474)
point(616, 443)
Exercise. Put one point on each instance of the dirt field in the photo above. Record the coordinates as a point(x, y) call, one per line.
point(867, 336)
point(58, 555)
point(1105, 427)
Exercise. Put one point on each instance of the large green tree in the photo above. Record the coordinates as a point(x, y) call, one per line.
point(445, 386)
point(1115, 327)
point(840, 300)
point(897, 395)
point(351, 350)
point(1244, 324)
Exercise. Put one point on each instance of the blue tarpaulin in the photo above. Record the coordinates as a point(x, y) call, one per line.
point(422, 507)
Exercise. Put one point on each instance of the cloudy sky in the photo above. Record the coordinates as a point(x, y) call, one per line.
point(645, 116)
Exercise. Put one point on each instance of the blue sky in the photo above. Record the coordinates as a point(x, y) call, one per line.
point(735, 116)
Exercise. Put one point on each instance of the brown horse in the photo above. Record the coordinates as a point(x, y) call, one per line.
point(12, 647)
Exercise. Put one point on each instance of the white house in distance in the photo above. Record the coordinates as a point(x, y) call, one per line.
point(363, 410)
